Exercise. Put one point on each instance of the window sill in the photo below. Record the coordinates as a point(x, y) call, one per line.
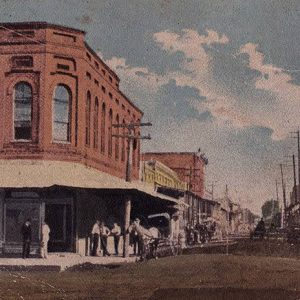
point(20, 141)
point(61, 142)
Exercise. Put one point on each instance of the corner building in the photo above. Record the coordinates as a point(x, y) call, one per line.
point(59, 160)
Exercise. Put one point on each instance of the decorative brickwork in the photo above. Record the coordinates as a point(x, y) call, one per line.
point(45, 56)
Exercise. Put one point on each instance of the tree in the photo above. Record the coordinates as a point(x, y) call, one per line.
point(269, 209)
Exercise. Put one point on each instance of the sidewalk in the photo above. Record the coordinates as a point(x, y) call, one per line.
point(59, 262)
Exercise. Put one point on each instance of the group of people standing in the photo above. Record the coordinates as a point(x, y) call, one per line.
point(101, 232)
point(26, 232)
point(200, 233)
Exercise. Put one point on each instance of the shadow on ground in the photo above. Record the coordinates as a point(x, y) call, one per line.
point(92, 267)
point(225, 294)
point(266, 247)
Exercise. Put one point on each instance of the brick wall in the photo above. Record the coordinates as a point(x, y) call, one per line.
point(60, 56)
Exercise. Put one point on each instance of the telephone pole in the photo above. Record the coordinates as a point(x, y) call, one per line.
point(295, 180)
point(298, 144)
point(277, 198)
point(130, 137)
point(283, 194)
point(297, 136)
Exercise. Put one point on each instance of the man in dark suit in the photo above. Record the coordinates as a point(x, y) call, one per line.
point(26, 233)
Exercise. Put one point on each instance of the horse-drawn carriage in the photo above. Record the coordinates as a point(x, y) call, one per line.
point(156, 236)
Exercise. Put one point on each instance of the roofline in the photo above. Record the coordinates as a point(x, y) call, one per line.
point(113, 74)
point(172, 152)
point(131, 103)
point(39, 25)
point(105, 65)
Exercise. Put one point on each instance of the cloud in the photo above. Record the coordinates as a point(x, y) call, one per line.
point(244, 125)
point(276, 110)
point(283, 112)
point(197, 72)
point(134, 78)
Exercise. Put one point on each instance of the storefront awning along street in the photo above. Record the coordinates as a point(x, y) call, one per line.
point(44, 173)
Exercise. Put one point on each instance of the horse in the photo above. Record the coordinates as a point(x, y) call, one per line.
point(149, 239)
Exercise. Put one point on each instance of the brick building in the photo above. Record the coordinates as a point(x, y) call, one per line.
point(190, 167)
point(60, 99)
point(59, 160)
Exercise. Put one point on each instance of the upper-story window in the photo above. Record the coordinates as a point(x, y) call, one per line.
point(110, 146)
point(123, 142)
point(61, 131)
point(103, 117)
point(88, 118)
point(22, 111)
point(96, 116)
point(117, 138)
point(88, 75)
point(88, 56)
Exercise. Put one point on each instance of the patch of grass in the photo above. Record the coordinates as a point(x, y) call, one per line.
point(141, 280)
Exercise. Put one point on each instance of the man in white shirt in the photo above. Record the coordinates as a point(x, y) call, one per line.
point(104, 233)
point(95, 238)
point(45, 240)
point(116, 232)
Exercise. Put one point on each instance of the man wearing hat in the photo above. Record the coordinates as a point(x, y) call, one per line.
point(26, 234)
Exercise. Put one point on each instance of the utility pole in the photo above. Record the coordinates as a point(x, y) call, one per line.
point(283, 194)
point(295, 180)
point(298, 144)
point(298, 148)
point(277, 198)
point(227, 219)
point(130, 137)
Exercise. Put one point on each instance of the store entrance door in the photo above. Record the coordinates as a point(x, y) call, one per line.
point(59, 218)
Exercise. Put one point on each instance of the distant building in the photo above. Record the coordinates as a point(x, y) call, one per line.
point(166, 181)
point(159, 175)
point(190, 168)
point(292, 213)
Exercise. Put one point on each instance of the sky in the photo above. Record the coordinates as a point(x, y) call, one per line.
point(219, 75)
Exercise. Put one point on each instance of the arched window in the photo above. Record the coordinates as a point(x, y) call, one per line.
point(117, 138)
point(103, 116)
point(123, 142)
point(110, 132)
point(61, 114)
point(22, 111)
point(96, 116)
point(88, 119)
